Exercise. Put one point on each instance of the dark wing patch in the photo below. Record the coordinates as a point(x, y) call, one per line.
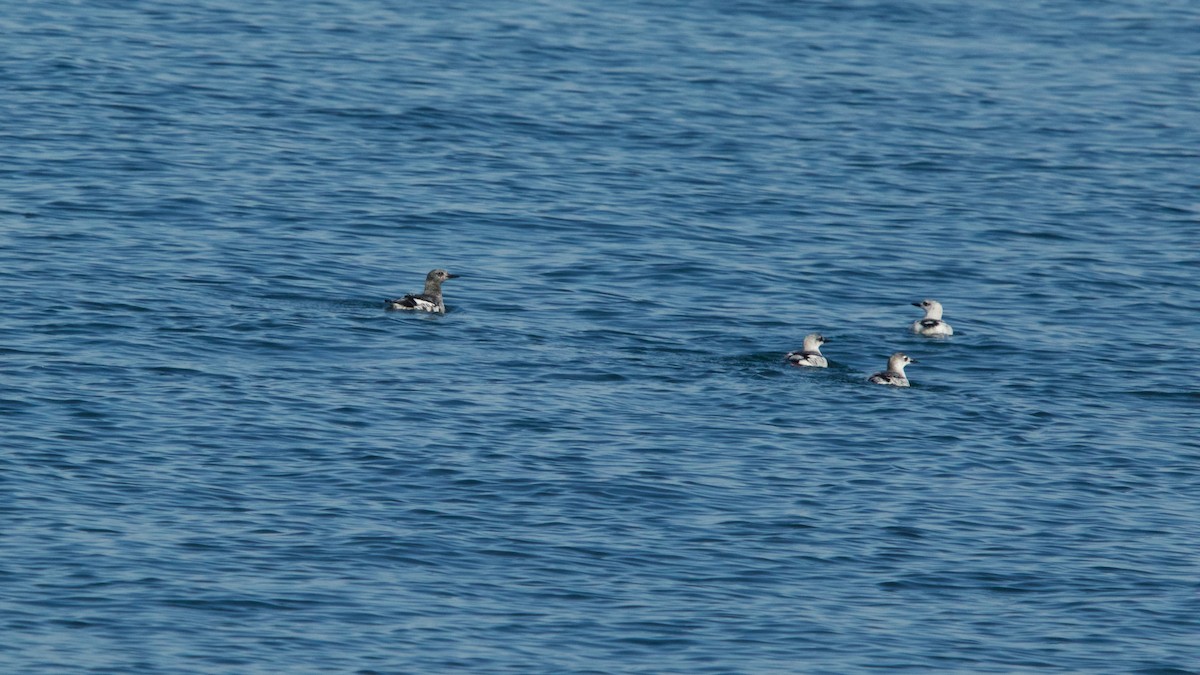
point(929, 323)
point(407, 302)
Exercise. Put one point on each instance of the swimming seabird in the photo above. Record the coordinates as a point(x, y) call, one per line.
point(894, 375)
point(932, 325)
point(430, 300)
point(810, 355)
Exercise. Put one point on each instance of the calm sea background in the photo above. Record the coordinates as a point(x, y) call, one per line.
point(220, 455)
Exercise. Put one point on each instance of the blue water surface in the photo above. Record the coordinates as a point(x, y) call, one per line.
point(221, 455)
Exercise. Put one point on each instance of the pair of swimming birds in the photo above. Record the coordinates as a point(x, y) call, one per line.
point(810, 355)
point(931, 325)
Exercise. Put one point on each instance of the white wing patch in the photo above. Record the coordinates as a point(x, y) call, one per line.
point(413, 304)
point(801, 359)
point(888, 378)
point(939, 328)
point(424, 305)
